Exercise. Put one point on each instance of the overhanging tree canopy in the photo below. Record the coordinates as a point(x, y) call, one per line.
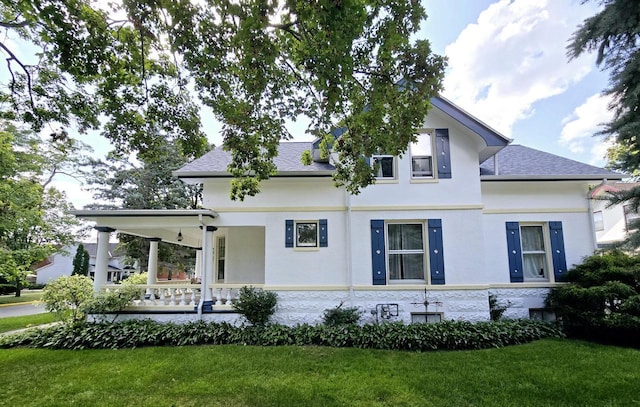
point(255, 63)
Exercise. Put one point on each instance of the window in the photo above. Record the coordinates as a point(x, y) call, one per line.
point(306, 234)
point(426, 317)
point(534, 256)
point(386, 166)
point(422, 156)
point(598, 221)
point(221, 254)
point(630, 217)
point(406, 251)
point(541, 314)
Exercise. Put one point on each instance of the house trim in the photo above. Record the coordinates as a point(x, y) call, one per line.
point(416, 208)
point(534, 210)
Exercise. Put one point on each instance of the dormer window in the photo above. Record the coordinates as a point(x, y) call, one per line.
point(422, 156)
point(386, 166)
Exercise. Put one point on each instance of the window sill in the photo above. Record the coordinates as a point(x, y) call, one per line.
point(423, 180)
point(386, 181)
point(407, 282)
point(306, 249)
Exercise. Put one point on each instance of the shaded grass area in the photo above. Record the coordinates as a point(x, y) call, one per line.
point(542, 373)
point(25, 296)
point(13, 323)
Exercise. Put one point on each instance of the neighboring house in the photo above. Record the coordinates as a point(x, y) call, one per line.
point(611, 223)
point(61, 264)
point(462, 215)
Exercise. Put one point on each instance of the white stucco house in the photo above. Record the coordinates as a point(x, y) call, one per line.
point(463, 215)
point(61, 263)
point(611, 222)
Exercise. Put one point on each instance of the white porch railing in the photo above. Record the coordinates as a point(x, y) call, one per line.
point(181, 295)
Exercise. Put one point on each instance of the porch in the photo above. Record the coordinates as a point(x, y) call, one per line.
point(218, 272)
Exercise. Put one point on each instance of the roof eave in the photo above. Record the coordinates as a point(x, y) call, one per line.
point(570, 177)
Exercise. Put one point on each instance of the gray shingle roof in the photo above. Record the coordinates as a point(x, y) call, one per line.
point(517, 160)
point(288, 160)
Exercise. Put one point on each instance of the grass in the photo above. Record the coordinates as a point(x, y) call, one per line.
point(25, 296)
point(13, 323)
point(543, 373)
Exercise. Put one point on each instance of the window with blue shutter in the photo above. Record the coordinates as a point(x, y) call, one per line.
point(529, 249)
point(436, 251)
point(443, 154)
point(288, 233)
point(515, 256)
point(402, 258)
point(323, 233)
point(378, 258)
point(557, 251)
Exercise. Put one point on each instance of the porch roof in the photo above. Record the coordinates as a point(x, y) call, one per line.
point(165, 224)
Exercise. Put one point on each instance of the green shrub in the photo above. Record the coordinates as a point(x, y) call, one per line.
point(447, 335)
point(34, 286)
point(67, 296)
point(341, 316)
point(6, 289)
point(602, 300)
point(256, 305)
point(111, 302)
point(496, 309)
point(137, 278)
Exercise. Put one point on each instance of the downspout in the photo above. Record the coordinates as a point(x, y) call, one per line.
point(349, 247)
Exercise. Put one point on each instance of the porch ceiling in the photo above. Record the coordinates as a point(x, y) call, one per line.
point(154, 223)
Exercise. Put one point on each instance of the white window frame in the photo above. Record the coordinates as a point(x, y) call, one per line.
point(426, 317)
point(423, 251)
point(544, 227)
point(302, 245)
point(598, 221)
point(422, 133)
point(629, 216)
point(380, 175)
point(220, 258)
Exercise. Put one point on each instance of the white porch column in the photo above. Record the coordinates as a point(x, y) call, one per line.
point(207, 266)
point(152, 267)
point(102, 258)
point(197, 273)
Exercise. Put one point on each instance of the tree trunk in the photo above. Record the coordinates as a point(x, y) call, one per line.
point(18, 288)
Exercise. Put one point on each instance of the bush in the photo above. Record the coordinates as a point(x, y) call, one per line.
point(447, 335)
point(602, 300)
point(68, 297)
point(341, 316)
point(256, 305)
point(6, 289)
point(137, 278)
point(111, 302)
point(34, 286)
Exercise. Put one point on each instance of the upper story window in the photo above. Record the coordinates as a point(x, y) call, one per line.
point(598, 220)
point(422, 155)
point(386, 166)
point(534, 254)
point(630, 217)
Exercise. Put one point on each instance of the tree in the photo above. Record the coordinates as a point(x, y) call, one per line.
point(255, 64)
point(614, 33)
point(34, 217)
point(148, 184)
point(81, 261)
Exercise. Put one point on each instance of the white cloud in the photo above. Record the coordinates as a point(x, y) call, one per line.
point(513, 57)
point(586, 120)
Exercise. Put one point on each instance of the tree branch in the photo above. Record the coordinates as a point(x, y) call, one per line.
point(24, 68)
point(21, 24)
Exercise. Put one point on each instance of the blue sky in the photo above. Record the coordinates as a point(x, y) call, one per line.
point(507, 67)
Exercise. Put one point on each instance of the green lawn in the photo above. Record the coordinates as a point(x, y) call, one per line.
point(543, 373)
point(25, 296)
point(13, 323)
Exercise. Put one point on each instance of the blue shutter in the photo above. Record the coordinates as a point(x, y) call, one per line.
point(443, 154)
point(288, 233)
point(324, 241)
point(378, 258)
point(515, 252)
point(436, 252)
point(557, 251)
